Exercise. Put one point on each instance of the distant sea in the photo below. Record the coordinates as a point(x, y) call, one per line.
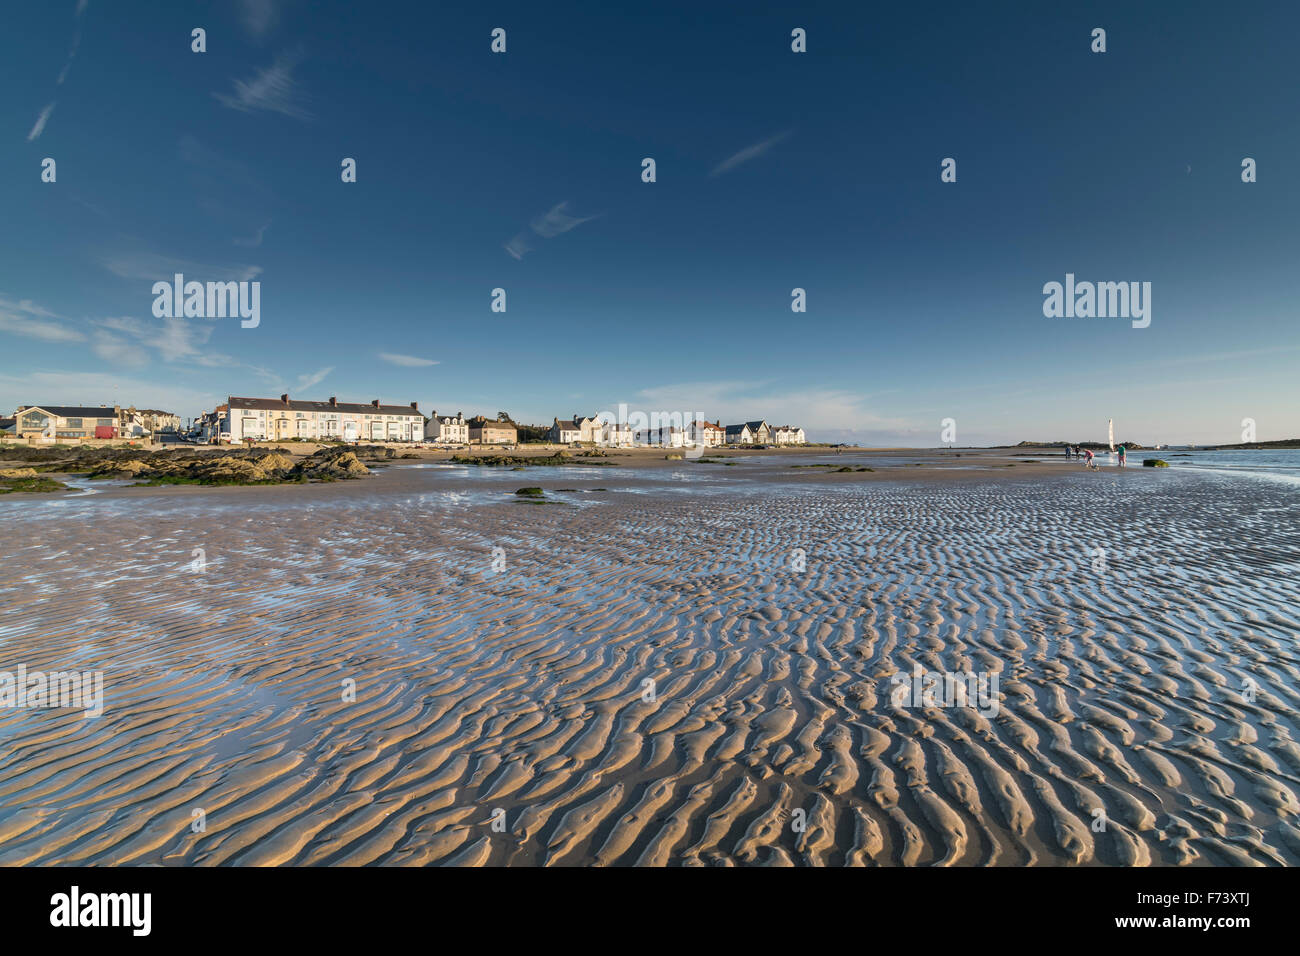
point(1264, 462)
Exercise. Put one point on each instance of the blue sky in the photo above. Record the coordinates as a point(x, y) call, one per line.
point(775, 170)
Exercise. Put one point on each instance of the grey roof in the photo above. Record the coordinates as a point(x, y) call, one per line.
point(74, 411)
point(737, 429)
point(754, 426)
point(293, 405)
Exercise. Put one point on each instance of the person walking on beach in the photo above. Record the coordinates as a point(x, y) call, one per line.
point(1068, 452)
point(1121, 456)
point(1088, 455)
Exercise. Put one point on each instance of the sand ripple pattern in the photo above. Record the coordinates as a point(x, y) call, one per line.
point(520, 697)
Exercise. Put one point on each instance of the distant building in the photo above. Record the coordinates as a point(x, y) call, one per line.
point(8, 426)
point(749, 433)
point(57, 422)
point(788, 435)
point(708, 434)
point(739, 435)
point(210, 425)
point(575, 429)
point(485, 432)
point(448, 429)
point(616, 434)
point(269, 419)
point(153, 421)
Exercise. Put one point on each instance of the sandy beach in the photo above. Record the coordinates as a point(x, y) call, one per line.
point(661, 663)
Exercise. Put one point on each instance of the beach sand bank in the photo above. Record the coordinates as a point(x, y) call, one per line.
point(660, 663)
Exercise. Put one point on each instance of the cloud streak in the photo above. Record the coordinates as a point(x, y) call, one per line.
point(29, 320)
point(41, 120)
point(315, 378)
point(406, 361)
point(747, 154)
point(272, 90)
point(152, 267)
point(556, 221)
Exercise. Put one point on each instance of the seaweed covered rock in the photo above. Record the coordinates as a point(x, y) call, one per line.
point(251, 467)
point(341, 464)
point(371, 452)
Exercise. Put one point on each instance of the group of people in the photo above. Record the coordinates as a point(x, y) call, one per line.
point(1089, 459)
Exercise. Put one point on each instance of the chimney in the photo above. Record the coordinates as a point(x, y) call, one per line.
point(415, 405)
point(285, 398)
point(374, 402)
point(334, 402)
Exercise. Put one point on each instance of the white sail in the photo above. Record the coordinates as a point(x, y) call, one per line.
point(1110, 437)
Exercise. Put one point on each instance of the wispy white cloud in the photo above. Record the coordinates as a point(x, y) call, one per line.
point(314, 378)
point(41, 120)
point(272, 90)
point(153, 267)
point(406, 361)
point(748, 153)
point(72, 53)
point(29, 320)
point(554, 222)
point(128, 341)
point(518, 247)
point(118, 351)
point(27, 306)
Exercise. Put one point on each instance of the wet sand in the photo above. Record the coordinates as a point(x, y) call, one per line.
point(674, 663)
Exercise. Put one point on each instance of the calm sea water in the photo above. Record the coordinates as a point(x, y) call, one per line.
point(1275, 463)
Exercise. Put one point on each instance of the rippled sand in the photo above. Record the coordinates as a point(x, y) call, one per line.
point(651, 679)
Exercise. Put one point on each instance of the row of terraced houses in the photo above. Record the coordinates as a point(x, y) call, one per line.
point(597, 431)
point(283, 419)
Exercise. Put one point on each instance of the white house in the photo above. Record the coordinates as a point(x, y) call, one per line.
point(708, 434)
point(268, 419)
point(616, 434)
point(448, 429)
point(749, 433)
point(788, 435)
point(739, 435)
point(575, 429)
